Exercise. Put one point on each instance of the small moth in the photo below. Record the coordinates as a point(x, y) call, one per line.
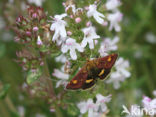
point(93, 69)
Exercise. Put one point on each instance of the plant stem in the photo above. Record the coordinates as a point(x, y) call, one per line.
point(50, 88)
point(48, 81)
point(10, 104)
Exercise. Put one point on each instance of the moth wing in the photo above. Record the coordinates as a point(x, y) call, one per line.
point(78, 81)
point(88, 85)
point(105, 64)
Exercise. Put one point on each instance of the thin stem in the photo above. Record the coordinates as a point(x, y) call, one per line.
point(10, 104)
point(50, 87)
point(48, 81)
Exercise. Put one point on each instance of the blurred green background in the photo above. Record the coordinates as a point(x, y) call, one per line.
point(137, 44)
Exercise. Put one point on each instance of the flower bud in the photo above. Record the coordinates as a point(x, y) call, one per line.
point(35, 28)
point(78, 20)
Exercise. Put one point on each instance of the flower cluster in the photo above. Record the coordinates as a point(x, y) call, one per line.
point(96, 109)
point(33, 33)
point(120, 74)
point(149, 104)
point(81, 33)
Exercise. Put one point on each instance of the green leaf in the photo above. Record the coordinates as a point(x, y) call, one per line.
point(44, 48)
point(72, 110)
point(33, 76)
point(4, 91)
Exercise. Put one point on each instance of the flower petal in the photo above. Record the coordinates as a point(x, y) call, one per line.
point(73, 54)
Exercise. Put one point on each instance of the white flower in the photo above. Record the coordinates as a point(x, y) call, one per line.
point(108, 45)
point(62, 76)
point(154, 93)
point(97, 15)
point(89, 37)
point(101, 102)
point(87, 106)
point(58, 26)
point(36, 2)
point(146, 101)
point(112, 4)
point(138, 54)
point(120, 74)
point(21, 111)
point(39, 41)
point(71, 45)
point(114, 19)
point(62, 58)
point(97, 109)
point(151, 38)
point(121, 66)
point(39, 115)
point(149, 104)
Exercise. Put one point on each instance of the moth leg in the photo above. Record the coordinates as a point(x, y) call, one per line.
point(103, 73)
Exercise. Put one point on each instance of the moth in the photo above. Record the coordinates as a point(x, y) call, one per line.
point(93, 70)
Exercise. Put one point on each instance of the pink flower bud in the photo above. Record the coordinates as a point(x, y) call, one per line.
point(71, 16)
point(16, 39)
point(34, 15)
point(28, 33)
point(19, 19)
point(42, 63)
point(33, 70)
point(88, 24)
point(78, 20)
point(52, 109)
point(69, 33)
point(35, 28)
point(64, 4)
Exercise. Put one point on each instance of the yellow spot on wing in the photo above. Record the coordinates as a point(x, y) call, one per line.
point(109, 59)
point(74, 81)
point(88, 81)
point(102, 72)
